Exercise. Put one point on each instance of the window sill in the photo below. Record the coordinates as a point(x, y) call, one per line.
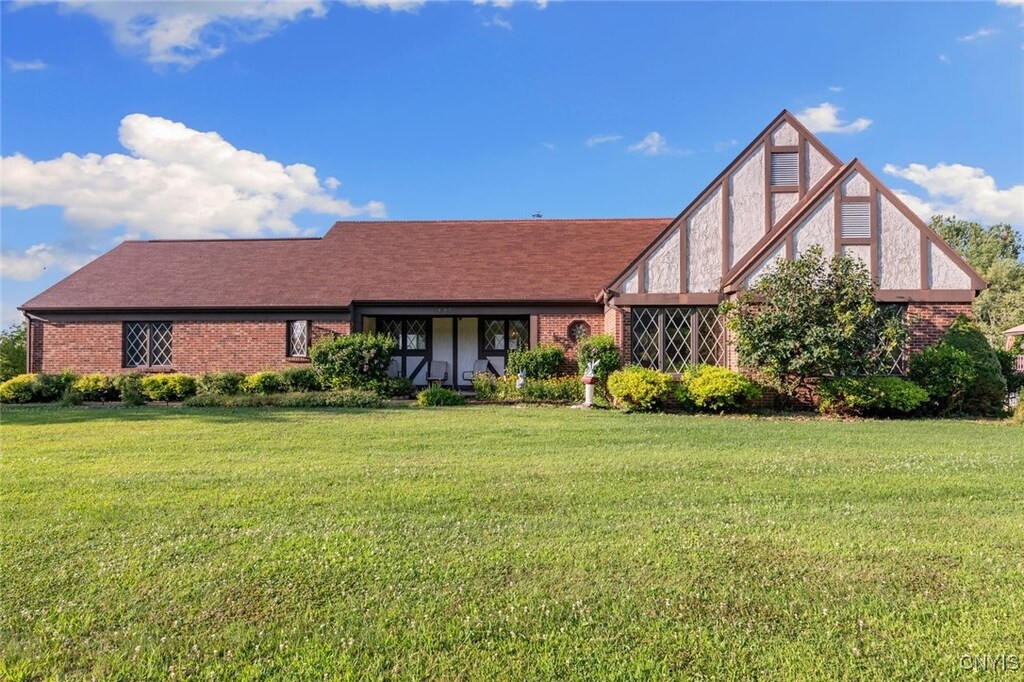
point(297, 359)
point(150, 370)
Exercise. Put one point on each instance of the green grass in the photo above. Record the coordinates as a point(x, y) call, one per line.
point(499, 542)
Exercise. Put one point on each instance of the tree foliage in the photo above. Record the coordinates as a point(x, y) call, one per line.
point(814, 317)
point(995, 253)
point(12, 351)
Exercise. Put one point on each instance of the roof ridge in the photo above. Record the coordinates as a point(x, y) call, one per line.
point(500, 220)
point(223, 239)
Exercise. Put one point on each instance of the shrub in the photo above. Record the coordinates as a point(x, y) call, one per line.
point(96, 387)
point(300, 379)
point(718, 389)
point(542, 362)
point(1018, 414)
point(264, 383)
point(437, 396)
point(349, 398)
point(354, 361)
point(871, 396)
point(600, 347)
point(638, 389)
point(18, 389)
point(946, 373)
point(224, 383)
point(48, 388)
point(987, 393)
point(394, 387)
point(167, 387)
point(129, 388)
point(1007, 365)
point(567, 389)
point(72, 396)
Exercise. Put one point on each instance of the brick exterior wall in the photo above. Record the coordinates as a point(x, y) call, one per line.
point(929, 321)
point(617, 323)
point(197, 346)
point(554, 329)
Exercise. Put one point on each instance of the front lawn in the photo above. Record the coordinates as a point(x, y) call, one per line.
point(494, 542)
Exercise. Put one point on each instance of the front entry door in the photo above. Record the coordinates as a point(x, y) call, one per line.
point(412, 353)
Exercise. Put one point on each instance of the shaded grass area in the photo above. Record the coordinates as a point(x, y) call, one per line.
point(494, 542)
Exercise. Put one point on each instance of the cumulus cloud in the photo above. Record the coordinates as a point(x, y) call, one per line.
point(655, 144)
point(961, 190)
point(602, 138)
point(31, 263)
point(824, 118)
point(27, 65)
point(186, 33)
point(977, 35)
point(175, 182)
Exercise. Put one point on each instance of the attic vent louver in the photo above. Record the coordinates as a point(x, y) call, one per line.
point(856, 221)
point(785, 168)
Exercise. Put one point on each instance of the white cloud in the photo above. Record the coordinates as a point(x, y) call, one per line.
point(655, 144)
point(176, 183)
point(961, 190)
point(725, 145)
point(944, 58)
point(505, 4)
point(824, 118)
point(549, 145)
point(28, 65)
point(499, 22)
point(835, 88)
point(37, 259)
point(186, 33)
point(602, 138)
point(1019, 3)
point(977, 35)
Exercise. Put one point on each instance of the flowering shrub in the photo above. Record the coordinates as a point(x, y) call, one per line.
point(638, 389)
point(354, 361)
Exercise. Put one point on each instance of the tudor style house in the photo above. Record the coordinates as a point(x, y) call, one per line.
point(465, 292)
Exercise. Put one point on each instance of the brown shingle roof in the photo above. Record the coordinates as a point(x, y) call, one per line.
point(470, 261)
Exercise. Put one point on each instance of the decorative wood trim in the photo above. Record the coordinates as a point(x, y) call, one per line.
point(790, 247)
point(802, 165)
point(837, 217)
point(684, 255)
point(534, 323)
point(926, 262)
point(726, 232)
point(784, 189)
point(782, 148)
point(873, 265)
point(858, 199)
point(855, 241)
point(713, 298)
point(767, 185)
point(925, 295)
point(456, 376)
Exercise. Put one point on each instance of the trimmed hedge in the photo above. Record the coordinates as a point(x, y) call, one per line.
point(871, 396)
point(353, 361)
point(437, 396)
point(167, 387)
point(717, 389)
point(96, 387)
point(348, 398)
point(225, 383)
point(264, 383)
point(48, 388)
point(543, 362)
point(18, 389)
point(639, 389)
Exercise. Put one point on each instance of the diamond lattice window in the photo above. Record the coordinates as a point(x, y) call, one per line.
point(669, 339)
point(518, 334)
point(147, 344)
point(415, 335)
point(392, 328)
point(298, 338)
point(494, 335)
point(895, 363)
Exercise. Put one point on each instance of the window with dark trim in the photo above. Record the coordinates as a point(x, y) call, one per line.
point(669, 339)
point(147, 344)
point(298, 338)
point(412, 337)
point(499, 335)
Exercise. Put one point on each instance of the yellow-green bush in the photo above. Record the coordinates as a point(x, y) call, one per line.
point(96, 387)
point(167, 387)
point(719, 389)
point(18, 389)
point(639, 389)
point(264, 383)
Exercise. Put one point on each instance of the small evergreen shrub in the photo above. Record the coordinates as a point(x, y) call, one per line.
point(718, 389)
point(568, 389)
point(129, 388)
point(48, 388)
point(224, 383)
point(167, 387)
point(353, 361)
point(987, 394)
point(18, 389)
point(599, 347)
point(870, 396)
point(543, 362)
point(96, 387)
point(638, 389)
point(946, 373)
point(437, 396)
point(264, 383)
point(300, 379)
point(72, 396)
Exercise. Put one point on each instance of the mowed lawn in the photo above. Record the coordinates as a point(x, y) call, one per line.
point(504, 543)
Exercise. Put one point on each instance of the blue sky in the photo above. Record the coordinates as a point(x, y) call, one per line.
point(274, 119)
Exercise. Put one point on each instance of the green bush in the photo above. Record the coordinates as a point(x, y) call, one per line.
point(264, 383)
point(72, 396)
point(871, 396)
point(568, 389)
point(19, 389)
point(96, 387)
point(1018, 414)
point(599, 347)
point(1008, 366)
point(437, 396)
point(48, 388)
point(353, 361)
point(393, 387)
point(300, 379)
point(638, 389)
point(946, 373)
point(987, 393)
point(129, 388)
point(718, 389)
point(224, 383)
point(349, 398)
point(167, 387)
point(542, 362)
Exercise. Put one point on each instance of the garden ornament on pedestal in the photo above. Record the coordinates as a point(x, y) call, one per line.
point(521, 381)
point(589, 378)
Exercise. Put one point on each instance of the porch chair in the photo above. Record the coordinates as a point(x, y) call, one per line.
point(479, 367)
point(437, 372)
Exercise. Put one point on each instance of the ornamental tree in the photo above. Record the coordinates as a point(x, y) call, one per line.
point(813, 317)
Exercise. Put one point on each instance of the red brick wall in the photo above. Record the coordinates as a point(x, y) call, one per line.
point(929, 321)
point(554, 329)
point(617, 323)
point(198, 345)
